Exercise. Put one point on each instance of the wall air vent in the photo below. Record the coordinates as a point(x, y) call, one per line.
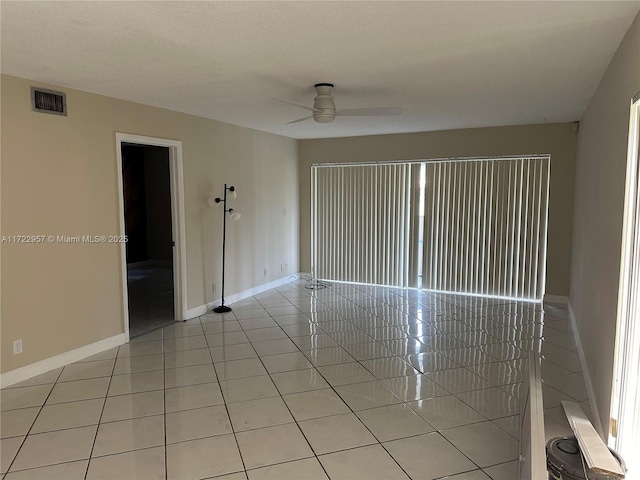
point(48, 101)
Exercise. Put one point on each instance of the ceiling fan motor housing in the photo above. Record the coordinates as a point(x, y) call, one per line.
point(324, 102)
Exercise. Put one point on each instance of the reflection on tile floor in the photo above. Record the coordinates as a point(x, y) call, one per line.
point(346, 382)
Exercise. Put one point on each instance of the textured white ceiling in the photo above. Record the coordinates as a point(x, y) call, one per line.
point(448, 64)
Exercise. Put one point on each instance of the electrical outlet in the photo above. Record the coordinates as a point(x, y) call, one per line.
point(17, 346)
point(214, 287)
point(286, 267)
point(265, 272)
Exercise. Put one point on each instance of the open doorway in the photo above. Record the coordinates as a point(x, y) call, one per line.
point(149, 248)
point(153, 261)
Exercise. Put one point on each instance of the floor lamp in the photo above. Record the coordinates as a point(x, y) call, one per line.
point(214, 202)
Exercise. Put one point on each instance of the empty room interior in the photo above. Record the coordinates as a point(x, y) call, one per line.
point(317, 240)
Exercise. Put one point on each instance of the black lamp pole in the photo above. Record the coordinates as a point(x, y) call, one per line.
point(224, 308)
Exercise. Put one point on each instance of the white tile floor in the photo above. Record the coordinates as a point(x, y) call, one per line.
point(348, 382)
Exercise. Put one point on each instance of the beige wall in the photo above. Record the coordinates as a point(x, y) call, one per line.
point(59, 178)
point(599, 200)
point(558, 140)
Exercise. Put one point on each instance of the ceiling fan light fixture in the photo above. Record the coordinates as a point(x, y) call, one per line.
point(324, 117)
point(323, 103)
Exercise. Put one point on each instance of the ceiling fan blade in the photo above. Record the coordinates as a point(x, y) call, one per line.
point(300, 120)
point(296, 104)
point(373, 111)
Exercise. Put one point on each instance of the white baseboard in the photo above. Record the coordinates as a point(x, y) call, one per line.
point(236, 297)
point(24, 373)
point(556, 299)
point(591, 393)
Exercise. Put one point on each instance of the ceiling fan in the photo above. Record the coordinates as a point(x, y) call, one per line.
point(324, 108)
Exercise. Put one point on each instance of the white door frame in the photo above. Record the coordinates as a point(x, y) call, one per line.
point(177, 221)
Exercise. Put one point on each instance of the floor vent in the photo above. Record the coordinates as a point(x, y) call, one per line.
point(48, 101)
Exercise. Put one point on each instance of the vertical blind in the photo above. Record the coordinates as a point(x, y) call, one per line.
point(483, 229)
point(360, 223)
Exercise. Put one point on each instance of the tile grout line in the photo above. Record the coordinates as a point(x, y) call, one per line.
point(164, 407)
point(436, 431)
point(352, 413)
point(287, 406)
point(104, 403)
point(32, 424)
point(363, 424)
point(224, 402)
point(342, 346)
point(446, 439)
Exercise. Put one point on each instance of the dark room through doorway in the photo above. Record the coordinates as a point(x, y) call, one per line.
point(148, 226)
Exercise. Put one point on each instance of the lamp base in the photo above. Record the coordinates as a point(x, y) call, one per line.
point(222, 309)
